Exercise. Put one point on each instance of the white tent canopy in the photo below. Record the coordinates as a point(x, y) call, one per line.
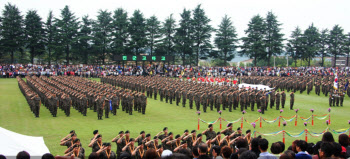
point(12, 143)
point(260, 86)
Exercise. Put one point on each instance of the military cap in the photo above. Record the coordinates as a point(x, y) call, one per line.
point(121, 132)
point(76, 140)
point(95, 132)
point(239, 128)
point(210, 125)
point(170, 133)
point(98, 136)
point(148, 135)
point(186, 131)
point(177, 136)
point(165, 128)
point(193, 131)
point(127, 132)
point(248, 131)
point(142, 132)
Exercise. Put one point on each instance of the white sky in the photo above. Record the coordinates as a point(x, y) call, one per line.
point(291, 13)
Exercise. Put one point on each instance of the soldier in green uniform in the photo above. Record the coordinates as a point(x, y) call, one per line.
point(100, 106)
point(283, 98)
point(155, 90)
point(107, 102)
point(252, 100)
point(119, 145)
point(184, 97)
point(114, 104)
point(277, 98)
point(330, 99)
point(143, 103)
point(209, 133)
point(178, 96)
point(291, 100)
point(204, 100)
point(197, 100)
point(130, 103)
point(37, 104)
point(191, 98)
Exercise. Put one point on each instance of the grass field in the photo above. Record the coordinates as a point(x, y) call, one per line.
point(15, 115)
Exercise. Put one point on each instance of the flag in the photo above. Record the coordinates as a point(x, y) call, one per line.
point(346, 86)
point(110, 105)
point(335, 85)
point(268, 93)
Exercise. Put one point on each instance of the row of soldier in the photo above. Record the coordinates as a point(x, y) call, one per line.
point(32, 98)
point(302, 83)
point(218, 97)
point(164, 140)
point(64, 92)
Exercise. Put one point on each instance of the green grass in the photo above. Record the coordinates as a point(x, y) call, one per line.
point(16, 116)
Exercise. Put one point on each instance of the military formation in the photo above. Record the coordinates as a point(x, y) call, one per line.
point(32, 98)
point(82, 94)
point(202, 96)
point(164, 140)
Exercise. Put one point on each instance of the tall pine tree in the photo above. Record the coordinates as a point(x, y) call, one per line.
point(12, 30)
point(253, 44)
point(295, 45)
point(311, 43)
point(85, 39)
point(120, 34)
point(323, 47)
point(68, 26)
point(49, 36)
point(102, 34)
point(153, 33)
point(168, 30)
point(273, 37)
point(226, 40)
point(137, 31)
point(34, 34)
point(201, 33)
point(336, 42)
point(184, 36)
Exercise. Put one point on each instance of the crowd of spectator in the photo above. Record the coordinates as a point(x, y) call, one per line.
point(13, 70)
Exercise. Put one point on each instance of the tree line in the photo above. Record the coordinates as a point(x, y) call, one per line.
point(68, 39)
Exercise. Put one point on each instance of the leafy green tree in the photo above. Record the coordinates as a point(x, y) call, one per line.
point(168, 29)
point(347, 48)
point(49, 36)
point(102, 34)
point(183, 36)
point(137, 31)
point(336, 42)
point(323, 47)
point(201, 33)
point(226, 40)
point(253, 44)
point(153, 33)
point(273, 37)
point(11, 30)
point(85, 39)
point(120, 32)
point(34, 34)
point(295, 45)
point(311, 43)
point(67, 26)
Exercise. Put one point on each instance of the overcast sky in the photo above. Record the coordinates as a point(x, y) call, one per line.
point(291, 13)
